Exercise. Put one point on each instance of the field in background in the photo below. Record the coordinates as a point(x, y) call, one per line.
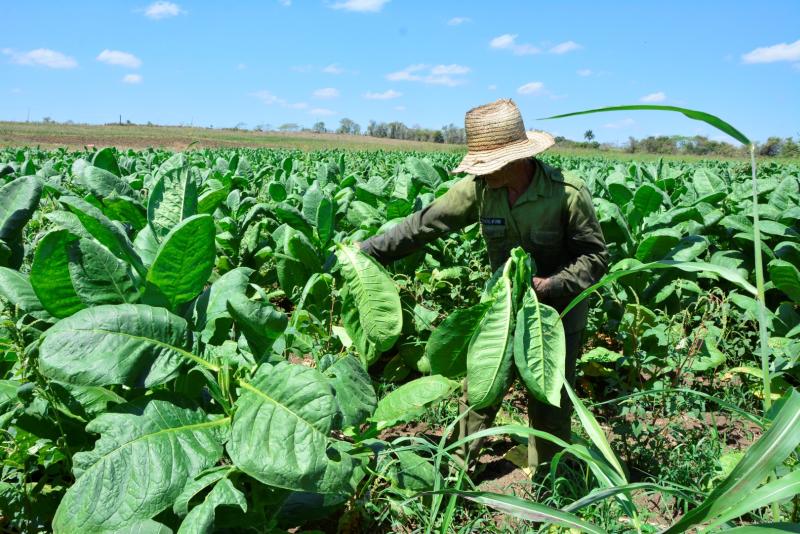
point(180, 138)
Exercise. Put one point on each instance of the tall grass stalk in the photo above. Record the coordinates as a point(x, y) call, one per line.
point(759, 267)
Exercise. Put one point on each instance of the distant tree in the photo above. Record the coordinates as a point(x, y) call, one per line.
point(319, 127)
point(790, 149)
point(588, 135)
point(772, 147)
point(349, 127)
point(289, 127)
point(47, 120)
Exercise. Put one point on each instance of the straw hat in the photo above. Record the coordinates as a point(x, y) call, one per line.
point(496, 136)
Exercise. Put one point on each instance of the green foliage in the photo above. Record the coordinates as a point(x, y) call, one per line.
point(192, 342)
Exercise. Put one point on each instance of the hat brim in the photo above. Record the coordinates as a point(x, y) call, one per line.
point(486, 162)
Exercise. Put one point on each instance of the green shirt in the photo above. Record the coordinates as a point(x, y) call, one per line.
point(554, 220)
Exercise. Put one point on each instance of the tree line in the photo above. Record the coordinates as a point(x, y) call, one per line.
point(697, 145)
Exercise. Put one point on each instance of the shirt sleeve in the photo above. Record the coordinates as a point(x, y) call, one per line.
point(586, 246)
point(451, 212)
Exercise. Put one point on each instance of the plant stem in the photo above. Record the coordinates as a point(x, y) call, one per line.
point(762, 321)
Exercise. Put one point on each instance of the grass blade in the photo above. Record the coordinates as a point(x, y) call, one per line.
point(527, 510)
point(779, 490)
point(712, 120)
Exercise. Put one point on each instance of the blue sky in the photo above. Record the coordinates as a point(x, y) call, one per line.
point(426, 63)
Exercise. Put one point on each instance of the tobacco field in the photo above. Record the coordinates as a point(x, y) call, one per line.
point(193, 342)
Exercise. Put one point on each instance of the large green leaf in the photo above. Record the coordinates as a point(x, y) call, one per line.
point(104, 230)
point(786, 277)
point(138, 467)
point(648, 199)
point(173, 199)
point(489, 355)
point(326, 220)
point(18, 201)
point(183, 263)
point(540, 349)
point(260, 323)
point(375, 296)
point(353, 388)
point(716, 122)
point(423, 171)
point(98, 276)
point(102, 183)
point(708, 185)
point(447, 347)
point(211, 309)
point(16, 288)
point(759, 461)
point(50, 276)
point(281, 431)
point(130, 344)
point(411, 399)
point(106, 159)
point(657, 244)
point(201, 518)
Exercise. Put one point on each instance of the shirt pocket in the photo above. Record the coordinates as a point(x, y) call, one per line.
point(493, 232)
point(546, 239)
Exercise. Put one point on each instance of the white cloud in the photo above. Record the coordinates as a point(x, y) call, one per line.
point(563, 48)
point(492, 87)
point(123, 59)
point(624, 123)
point(386, 95)
point(407, 74)
point(400, 108)
point(302, 68)
point(321, 112)
point(436, 75)
point(285, 3)
point(584, 72)
point(457, 21)
point(326, 92)
point(270, 99)
point(361, 6)
point(507, 41)
point(771, 54)
point(531, 88)
point(503, 41)
point(653, 98)
point(16, 91)
point(132, 79)
point(162, 10)
point(41, 56)
point(449, 69)
point(333, 68)
point(241, 66)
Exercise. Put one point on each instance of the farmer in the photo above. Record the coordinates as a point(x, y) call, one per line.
point(519, 201)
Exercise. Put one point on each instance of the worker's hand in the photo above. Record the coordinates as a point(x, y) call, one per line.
point(542, 287)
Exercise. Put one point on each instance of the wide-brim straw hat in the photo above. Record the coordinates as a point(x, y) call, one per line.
point(496, 136)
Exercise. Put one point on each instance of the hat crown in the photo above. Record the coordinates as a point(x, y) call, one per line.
point(494, 125)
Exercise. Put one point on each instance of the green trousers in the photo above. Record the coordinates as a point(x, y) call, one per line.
point(541, 416)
